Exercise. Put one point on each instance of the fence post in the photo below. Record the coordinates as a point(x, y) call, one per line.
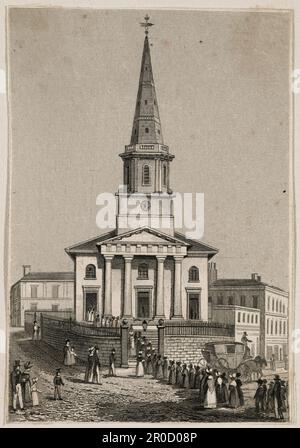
point(161, 336)
point(124, 343)
point(41, 326)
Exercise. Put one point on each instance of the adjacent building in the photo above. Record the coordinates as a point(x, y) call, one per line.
point(41, 291)
point(253, 306)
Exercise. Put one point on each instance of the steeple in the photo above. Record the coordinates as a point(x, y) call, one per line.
point(146, 124)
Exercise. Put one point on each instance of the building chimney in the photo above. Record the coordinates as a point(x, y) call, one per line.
point(256, 277)
point(212, 273)
point(26, 269)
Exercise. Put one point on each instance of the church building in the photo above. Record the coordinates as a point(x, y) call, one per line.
point(147, 271)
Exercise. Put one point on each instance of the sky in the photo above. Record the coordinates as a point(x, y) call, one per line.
point(222, 82)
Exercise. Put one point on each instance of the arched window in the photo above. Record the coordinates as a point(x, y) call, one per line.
point(143, 271)
point(284, 327)
point(276, 306)
point(243, 301)
point(273, 304)
point(269, 303)
point(90, 271)
point(280, 327)
point(280, 306)
point(193, 274)
point(268, 326)
point(230, 300)
point(252, 318)
point(275, 326)
point(271, 327)
point(283, 309)
point(147, 130)
point(164, 176)
point(146, 175)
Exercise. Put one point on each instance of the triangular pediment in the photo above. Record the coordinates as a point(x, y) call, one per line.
point(144, 235)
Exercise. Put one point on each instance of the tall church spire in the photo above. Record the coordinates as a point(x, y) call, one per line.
point(146, 124)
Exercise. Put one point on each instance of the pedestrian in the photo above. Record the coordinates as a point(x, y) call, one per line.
point(131, 341)
point(112, 363)
point(270, 398)
point(67, 353)
point(165, 368)
point(148, 363)
point(26, 383)
point(88, 317)
point(58, 382)
point(92, 315)
point(143, 348)
point(185, 377)
point(35, 392)
point(259, 397)
point(277, 396)
point(97, 320)
point(203, 386)
point(140, 365)
point(239, 389)
point(103, 321)
point(153, 360)
point(73, 356)
point(159, 368)
point(16, 380)
point(233, 399)
point(265, 393)
point(284, 396)
point(178, 373)
point(96, 366)
point(191, 376)
point(198, 376)
point(36, 331)
point(221, 390)
point(89, 368)
point(210, 399)
point(172, 373)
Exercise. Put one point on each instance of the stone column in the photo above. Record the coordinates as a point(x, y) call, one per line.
point(161, 336)
point(108, 295)
point(124, 343)
point(177, 313)
point(127, 311)
point(159, 311)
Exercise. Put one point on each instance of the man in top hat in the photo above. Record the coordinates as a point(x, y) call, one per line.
point(16, 381)
point(245, 340)
point(277, 396)
point(259, 396)
point(58, 382)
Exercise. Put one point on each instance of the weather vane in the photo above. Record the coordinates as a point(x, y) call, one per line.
point(146, 24)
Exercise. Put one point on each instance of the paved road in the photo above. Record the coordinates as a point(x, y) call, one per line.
point(124, 398)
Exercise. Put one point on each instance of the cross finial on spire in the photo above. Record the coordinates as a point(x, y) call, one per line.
point(146, 24)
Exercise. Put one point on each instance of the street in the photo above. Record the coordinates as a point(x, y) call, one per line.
point(124, 398)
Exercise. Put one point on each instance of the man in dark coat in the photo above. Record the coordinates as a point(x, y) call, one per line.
point(203, 386)
point(277, 395)
point(221, 390)
point(16, 385)
point(259, 397)
point(26, 383)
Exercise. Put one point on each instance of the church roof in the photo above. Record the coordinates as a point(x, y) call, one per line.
point(146, 124)
point(90, 246)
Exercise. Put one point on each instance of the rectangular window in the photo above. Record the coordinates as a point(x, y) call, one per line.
point(33, 291)
point(55, 307)
point(244, 316)
point(239, 317)
point(243, 301)
point(248, 318)
point(255, 302)
point(220, 300)
point(55, 291)
point(256, 318)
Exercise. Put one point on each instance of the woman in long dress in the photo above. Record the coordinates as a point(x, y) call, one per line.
point(233, 393)
point(67, 354)
point(112, 363)
point(210, 401)
point(148, 361)
point(140, 365)
point(178, 373)
point(165, 368)
point(221, 391)
point(36, 331)
point(185, 377)
point(35, 392)
point(73, 356)
point(172, 373)
point(159, 368)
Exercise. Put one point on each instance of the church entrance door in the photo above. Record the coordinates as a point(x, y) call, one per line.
point(143, 305)
point(193, 306)
point(90, 305)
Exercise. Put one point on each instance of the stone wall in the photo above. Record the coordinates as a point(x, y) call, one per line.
point(188, 348)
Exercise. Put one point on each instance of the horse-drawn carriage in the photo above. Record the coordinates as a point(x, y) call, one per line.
point(232, 357)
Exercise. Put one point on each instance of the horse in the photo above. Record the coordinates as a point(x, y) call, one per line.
point(252, 367)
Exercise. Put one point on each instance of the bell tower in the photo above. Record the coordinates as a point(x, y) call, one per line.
point(146, 160)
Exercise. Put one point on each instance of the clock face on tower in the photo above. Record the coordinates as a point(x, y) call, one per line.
point(145, 205)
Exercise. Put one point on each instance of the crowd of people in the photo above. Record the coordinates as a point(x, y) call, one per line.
point(94, 317)
point(216, 389)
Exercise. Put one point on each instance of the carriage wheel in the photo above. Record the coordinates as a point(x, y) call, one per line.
point(245, 372)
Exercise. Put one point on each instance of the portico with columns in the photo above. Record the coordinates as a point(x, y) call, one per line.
point(146, 270)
